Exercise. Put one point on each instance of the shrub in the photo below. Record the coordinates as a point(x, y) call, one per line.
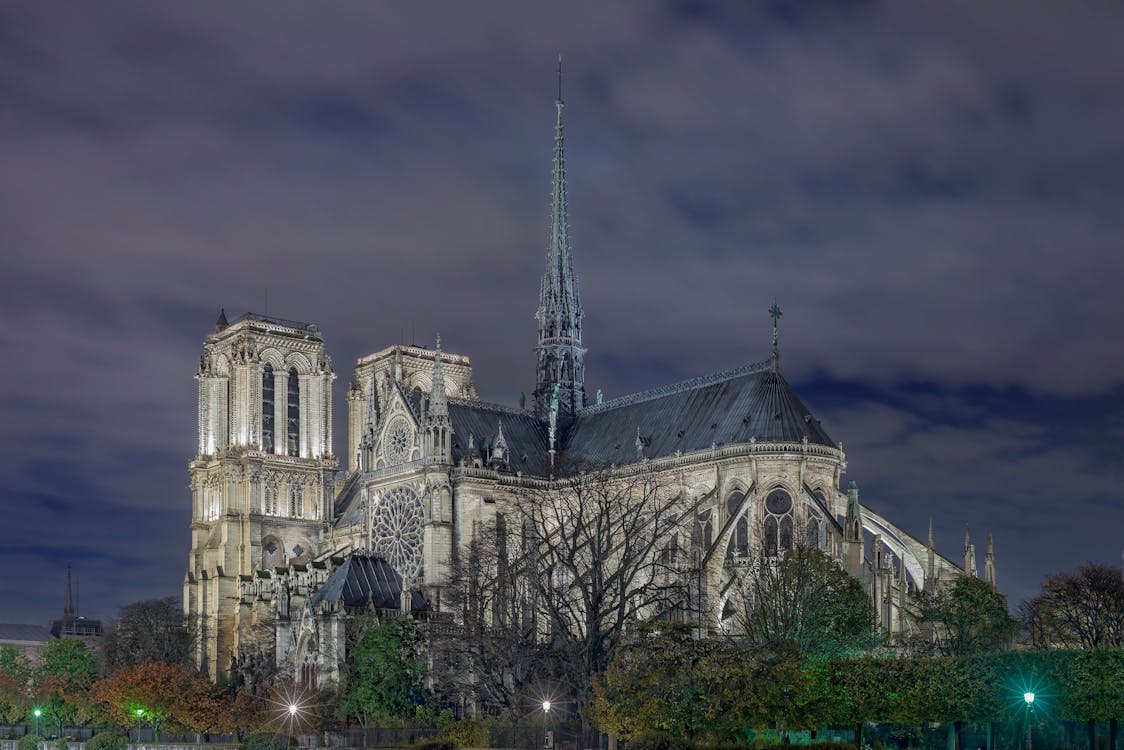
point(107, 741)
point(465, 733)
point(652, 740)
point(29, 742)
point(265, 741)
point(436, 745)
point(60, 743)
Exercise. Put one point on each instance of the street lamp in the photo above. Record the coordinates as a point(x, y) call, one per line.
point(140, 713)
point(38, 712)
point(545, 735)
point(1028, 698)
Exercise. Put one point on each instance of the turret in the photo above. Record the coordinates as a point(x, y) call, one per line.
point(989, 562)
point(969, 554)
point(438, 428)
point(853, 552)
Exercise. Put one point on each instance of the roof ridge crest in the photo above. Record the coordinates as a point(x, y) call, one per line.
point(685, 385)
point(490, 406)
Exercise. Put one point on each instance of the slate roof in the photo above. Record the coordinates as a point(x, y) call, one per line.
point(719, 409)
point(28, 633)
point(362, 579)
point(525, 436)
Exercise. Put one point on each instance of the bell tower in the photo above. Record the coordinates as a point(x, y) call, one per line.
point(263, 477)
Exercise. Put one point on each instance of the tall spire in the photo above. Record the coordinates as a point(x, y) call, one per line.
point(68, 610)
point(560, 353)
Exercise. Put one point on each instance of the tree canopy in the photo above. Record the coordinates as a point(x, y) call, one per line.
point(153, 630)
point(385, 671)
point(1083, 609)
point(967, 617)
point(805, 599)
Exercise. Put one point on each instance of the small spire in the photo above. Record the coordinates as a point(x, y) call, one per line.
point(559, 76)
point(437, 403)
point(68, 610)
point(775, 313)
point(930, 532)
point(221, 324)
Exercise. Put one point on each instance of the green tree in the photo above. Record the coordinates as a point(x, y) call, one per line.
point(385, 671)
point(15, 680)
point(154, 630)
point(67, 668)
point(968, 617)
point(806, 599)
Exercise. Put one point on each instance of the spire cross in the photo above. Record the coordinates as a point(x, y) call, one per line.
point(560, 77)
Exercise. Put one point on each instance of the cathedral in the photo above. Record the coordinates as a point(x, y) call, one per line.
point(286, 543)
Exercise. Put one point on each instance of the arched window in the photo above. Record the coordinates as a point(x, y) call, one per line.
point(296, 501)
point(739, 540)
point(733, 502)
point(270, 502)
point(771, 536)
point(786, 533)
point(293, 416)
point(814, 532)
point(777, 525)
point(267, 408)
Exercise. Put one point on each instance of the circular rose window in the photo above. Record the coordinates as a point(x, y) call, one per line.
point(778, 502)
point(399, 437)
point(396, 530)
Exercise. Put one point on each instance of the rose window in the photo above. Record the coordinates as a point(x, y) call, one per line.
point(398, 440)
point(396, 530)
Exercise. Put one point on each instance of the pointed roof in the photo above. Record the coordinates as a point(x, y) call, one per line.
point(559, 291)
point(365, 578)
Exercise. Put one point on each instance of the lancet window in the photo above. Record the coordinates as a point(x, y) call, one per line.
point(294, 413)
point(267, 408)
point(739, 540)
point(777, 525)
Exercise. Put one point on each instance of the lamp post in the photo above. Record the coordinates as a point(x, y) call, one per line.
point(545, 713)
point(293, 708)
point(38, 712)
point(1028, 698)
point(140, 713)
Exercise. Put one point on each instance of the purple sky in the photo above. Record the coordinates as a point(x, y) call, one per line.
point(932, 193)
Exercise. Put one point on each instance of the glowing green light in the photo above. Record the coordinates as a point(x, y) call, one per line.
point(140, 712)
point(38, 713)
point(1029, 698)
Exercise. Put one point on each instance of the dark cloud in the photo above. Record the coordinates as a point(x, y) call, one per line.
point(931, 193)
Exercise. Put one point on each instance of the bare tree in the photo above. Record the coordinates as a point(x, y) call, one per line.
point(1084, 609)
point(153, 630)
point(491, 656)
point(601, 554)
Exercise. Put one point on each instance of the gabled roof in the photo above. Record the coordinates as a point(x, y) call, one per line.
point(525, 436)
point(12, 632)
point(366, 579)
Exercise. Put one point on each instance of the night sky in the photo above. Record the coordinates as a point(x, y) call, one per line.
point(932, 192)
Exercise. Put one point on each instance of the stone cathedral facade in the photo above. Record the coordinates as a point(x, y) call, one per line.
point(286, 543)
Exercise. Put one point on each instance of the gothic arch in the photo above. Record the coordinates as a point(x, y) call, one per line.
point(300, 362)
point(272, 552)
point(271, 356)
